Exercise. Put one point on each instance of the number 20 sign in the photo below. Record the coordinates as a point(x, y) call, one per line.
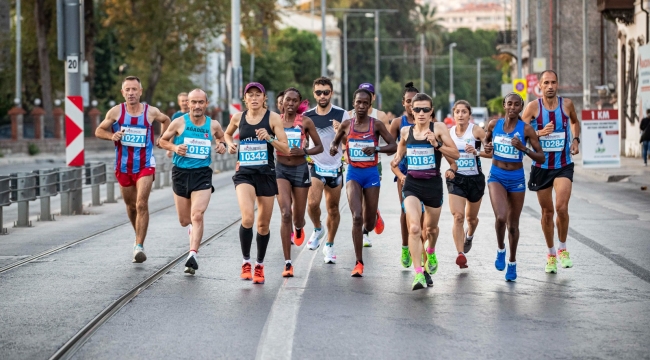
point(72, 64)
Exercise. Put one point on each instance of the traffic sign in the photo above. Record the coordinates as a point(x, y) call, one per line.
point(74, 131)
point(520, 87)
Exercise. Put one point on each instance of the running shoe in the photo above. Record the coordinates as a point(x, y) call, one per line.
point(551, 264)
point(138, 254)
point(420, 282)
point(565, 260)
point(366, 241)
point(511, 273)
point(428, 278)
point(467, 245)
point(288, 271)
point(330, 255)
point(461, 261)
point(246, 273)
point(431, 266)
point(191, 265)
point(292, 243)
point(298, 240)
point(358, 270)
point(379, 226)
point(258, 278)
point(314, 240)
point(406, 257)
point(500, 262)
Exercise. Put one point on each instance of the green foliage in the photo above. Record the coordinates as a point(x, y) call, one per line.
point(32, 149)
point(495, 105)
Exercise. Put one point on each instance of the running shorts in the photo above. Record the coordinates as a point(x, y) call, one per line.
point(541, 179)
point(470, 187)
point(297, 176)
point(428, 191)
point(264, 184)
point(511, 180)
point(330, 181)
point(186, 181)
point(128, 180)
point(366, 177)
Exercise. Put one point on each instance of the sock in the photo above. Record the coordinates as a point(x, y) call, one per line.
point(431, 250)
point(365, 232)
point(259, 263)
point(189, 229)
point(501, 250)
point(262, 243)
point(551, 251)
point(562, 246)
point(405, 247)
point(246, 261)
point(419, 270)
point(287, 261)
point(469, 238)
point(245, 240)
point(461, 253)
point(512, 263)
point(298, 232)
point(329, 244)
point(317, 229)
point(360, 261)
point(139, 245)
point(192, 253)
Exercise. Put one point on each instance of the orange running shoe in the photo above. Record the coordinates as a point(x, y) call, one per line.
point(258, 278)
point(298, 240)
point(358, 270)
point(246, 273)
point(379, 227)
point(288, 270)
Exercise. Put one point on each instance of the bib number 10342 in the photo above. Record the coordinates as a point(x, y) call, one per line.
point(252, 153)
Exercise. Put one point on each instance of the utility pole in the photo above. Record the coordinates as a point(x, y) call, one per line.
point(345, 61)
point(452, 96)
point(422, 62)
point(538, 30)
point(518, 9)
point(377, 79)
point(19, 85)
point(586, 88)
point(323, 51)
point(478, 82)
point(235, 97)
point(433, 77)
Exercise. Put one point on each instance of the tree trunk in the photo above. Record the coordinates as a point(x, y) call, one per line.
point(154, 77)
point(5, 34)
point(43, 58)
point(89, 21)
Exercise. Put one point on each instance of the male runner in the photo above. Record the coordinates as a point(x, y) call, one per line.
point(278, 102)
point(550, 116)
point(130, 126)
point(191, 174)
point(184, 109)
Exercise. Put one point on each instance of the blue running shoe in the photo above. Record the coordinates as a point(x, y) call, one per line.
point(500, 262)
point(511, 273)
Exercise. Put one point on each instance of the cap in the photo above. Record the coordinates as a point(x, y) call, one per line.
point(367, 86)
point(255, 85)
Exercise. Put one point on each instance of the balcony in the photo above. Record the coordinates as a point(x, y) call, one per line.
point(621, 10)
point(507, 42)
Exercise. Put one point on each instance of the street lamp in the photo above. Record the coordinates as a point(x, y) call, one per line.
point(452, 97)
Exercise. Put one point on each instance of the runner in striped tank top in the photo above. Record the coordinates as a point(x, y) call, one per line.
point(129, 125)
point(556, 122)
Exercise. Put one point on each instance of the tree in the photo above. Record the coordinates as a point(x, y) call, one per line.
point(426, 22)
point(43, 56)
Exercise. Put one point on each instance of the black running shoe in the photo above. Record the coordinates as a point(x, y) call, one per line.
point(191, 265)
point(427, 277)
point(467, 245)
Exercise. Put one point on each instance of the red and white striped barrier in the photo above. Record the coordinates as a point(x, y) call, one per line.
point(74, 131)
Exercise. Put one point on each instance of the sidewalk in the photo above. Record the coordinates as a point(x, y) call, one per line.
point(24, 159)
point(631, 170)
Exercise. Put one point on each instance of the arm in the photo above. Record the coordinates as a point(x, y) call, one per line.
point(157, 115)
point(280, 143)
point(340, 134)
point(218, 135)
point(538, 154)
point(230, 131)
point(575, 126)
point(480, 134)
point(165, 140)
point(399, 155)
point(381, 130)
point(104, 130)
point(448, 148)
point(312, 134)
point(394, 127)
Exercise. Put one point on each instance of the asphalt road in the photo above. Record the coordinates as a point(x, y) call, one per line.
point(597, 309)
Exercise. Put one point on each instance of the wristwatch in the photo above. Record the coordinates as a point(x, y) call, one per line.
point(439, 145)
point(271, 140)
point(577, 138)
point(377, 149)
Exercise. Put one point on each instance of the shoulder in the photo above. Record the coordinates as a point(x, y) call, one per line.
point(114, 112)
point(439, 126)
point(492, 123)
point(152, 110)
point(274, 117)
point(568, 104)
point(310, 112)
point(237, 117)
point(405, 130)
point(307, 121)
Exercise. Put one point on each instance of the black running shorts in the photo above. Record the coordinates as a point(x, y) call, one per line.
point(541, 179)
point(297, 176)
point(470, 187)
point(264, 184)
point(329, 181)
point(428, 191)
point(186, 181)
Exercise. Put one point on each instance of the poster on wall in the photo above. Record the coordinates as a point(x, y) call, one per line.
point(643, 91)
point(599, 139)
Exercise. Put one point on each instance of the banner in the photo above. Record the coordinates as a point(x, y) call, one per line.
point(599, 139)
point(520, 87)
point(644, 79)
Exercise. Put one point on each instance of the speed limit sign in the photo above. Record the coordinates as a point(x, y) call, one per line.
point(72, 64)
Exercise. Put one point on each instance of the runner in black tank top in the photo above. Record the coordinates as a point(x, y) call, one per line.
point(255, 173)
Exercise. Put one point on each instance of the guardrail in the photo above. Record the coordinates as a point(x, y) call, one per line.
point(69, 182)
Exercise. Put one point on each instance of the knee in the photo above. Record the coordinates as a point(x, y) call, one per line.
point(286, 214)
point(184, 222)
point(547, 213)
point(513, 229)
point(415, 229)
point(263, 228)
point(141, 207)
point(472, 220)
point(357, 219)
point(562, 210)
point(247, 221)
point(332, 211)
point(197, 216)
point(501, 221)
point(459, 218)
point(433, 230)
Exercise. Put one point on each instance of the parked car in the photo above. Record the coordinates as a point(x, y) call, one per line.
point(480, 116)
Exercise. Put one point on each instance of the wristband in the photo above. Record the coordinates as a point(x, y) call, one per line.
point(305, 150)
point(270, 141)
point(377, 148)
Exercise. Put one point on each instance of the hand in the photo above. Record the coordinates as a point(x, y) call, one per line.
point(181, 150)
point(575, 148)
point(220, 148)
point(431, 137)
point(232, 148)
point(118, 135)
point(470, 149)
point(369, 150)
point(402, 179)
point(158, 143)
point(336, 125)
point(333, 150)
point(395, 162)
point(296, 151)
point(516, 142)
point(488, 148)
point(262, 134)
point(549, 128)
point(169, 153)
point(450, 174)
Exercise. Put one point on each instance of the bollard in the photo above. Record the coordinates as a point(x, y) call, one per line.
point(24, 190)
point(110, 187)
point(95, 176)
point(46, 182)
point(5, 199)
point(58, 115)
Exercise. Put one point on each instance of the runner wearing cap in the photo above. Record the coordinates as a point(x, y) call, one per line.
point(260, 132)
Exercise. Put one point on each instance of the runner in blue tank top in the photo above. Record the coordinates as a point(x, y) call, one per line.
point(506, 182)
point(558, 127)
point(191, 174)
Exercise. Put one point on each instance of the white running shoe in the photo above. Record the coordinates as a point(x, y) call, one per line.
point(138, 254)
point(330, 255)
point(314, 240)
point(366, 241)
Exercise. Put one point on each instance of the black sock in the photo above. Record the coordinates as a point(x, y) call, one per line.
point(246, 240)
point(365, 232)
point(298, 232)
point(360, 261)
point(262, 244)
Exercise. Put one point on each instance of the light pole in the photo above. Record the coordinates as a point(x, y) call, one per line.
point(478, 82)
point(452, 97)
point(519, 65)
point(323, 51)
point(422, 62)
point(19, 85)
point(236, 51)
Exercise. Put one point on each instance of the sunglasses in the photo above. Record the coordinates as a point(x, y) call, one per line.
point(418, 110)
point(323, 92)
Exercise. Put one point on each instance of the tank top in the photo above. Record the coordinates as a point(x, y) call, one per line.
point(255, 156)
point(556, 145)
point(134, 151)
point(323, 162)
point(295, 134)
point(468, 164)
point(423, 160)
point(404, 122)
point(503, 149)
point(199, 144)
point(359, 140)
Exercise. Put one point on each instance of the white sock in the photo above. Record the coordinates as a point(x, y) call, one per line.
point(259, 263)
point(246, 261)
point(551, 251)
point(469, 238)
point(512, 263)
point(501, 250)
point(562, 246)
point(192, 253)
point(287, 262)
point(189, 229)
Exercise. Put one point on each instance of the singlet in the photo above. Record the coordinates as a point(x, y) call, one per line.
point(404, 122)
point(255, 156)
point(556, 145)
point(199, 144)
point(295, 134)
point(323, 162)
point(503, 149)
point(423, 160)
point(135, 151)
point(468, 164)
point(359, 140)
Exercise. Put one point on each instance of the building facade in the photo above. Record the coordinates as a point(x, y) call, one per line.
point(487, 16)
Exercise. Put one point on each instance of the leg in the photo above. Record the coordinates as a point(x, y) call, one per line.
point(431, 218)
point(264, 213)
point(413, 214)
point(299, 206)
point(370, 200)
point(515, 204)
point(402, 216)
point(143, 187)
point(183, 208)
point(313, 202)
point(284, 201)
point(562, 188)
point(545, 198)
point(332, 200)
point(471, 211)
point(199, 203)
point(457, 207)
point(645, 147)
point(499, 199)
point(246, 200)
point(130, 196)
point(355, 199)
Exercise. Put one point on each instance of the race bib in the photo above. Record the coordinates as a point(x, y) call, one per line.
point(420, 157)
point(466, 162)
point(294, 136)
point(503, 147)
point(252, 153)
point(326, 173)
point(134, 136)
point(197, 148)
point(355, 147)
point(553, 142)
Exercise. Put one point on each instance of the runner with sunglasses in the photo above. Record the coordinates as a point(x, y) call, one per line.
point(423, 145)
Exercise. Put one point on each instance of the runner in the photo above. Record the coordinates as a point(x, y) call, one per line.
point(260, 131)
point(326, 171)
point(506, 182)
point(465, 179)
point(278, 102)
point(400, 172)
point(423, 145)
point(129, 125)
point(363, 176)
point(292, 172)
point(559, 142)
point(184, 109)
point(191, 174)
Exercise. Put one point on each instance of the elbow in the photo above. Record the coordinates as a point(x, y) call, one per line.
point(318, 149)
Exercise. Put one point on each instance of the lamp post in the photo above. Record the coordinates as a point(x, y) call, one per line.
point(452, 97)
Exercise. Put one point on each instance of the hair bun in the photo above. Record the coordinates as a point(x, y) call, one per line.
point(409, 85)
